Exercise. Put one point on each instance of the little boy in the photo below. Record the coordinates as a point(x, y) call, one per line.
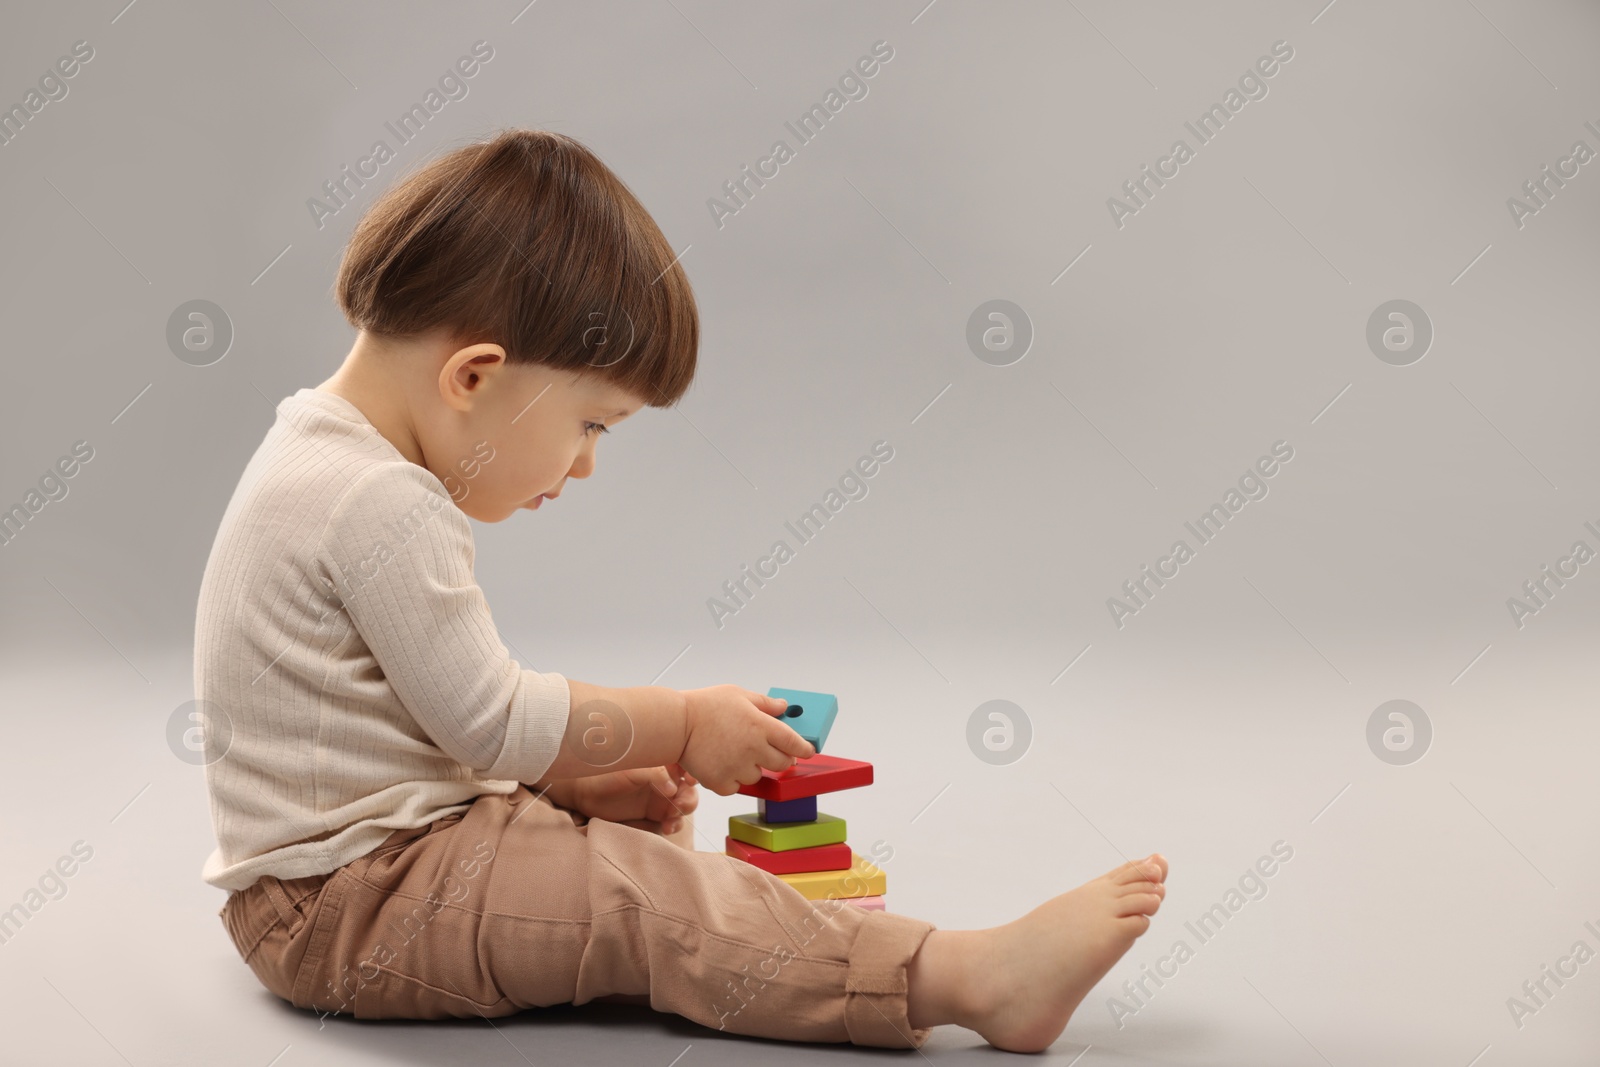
point(409, 823)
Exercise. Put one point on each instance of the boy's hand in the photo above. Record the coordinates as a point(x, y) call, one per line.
point(650, 798)
point(733, 734)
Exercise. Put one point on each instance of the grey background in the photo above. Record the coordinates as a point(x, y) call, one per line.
point(1226, 315)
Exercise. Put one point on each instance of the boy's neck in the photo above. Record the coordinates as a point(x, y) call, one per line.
point(370, 379)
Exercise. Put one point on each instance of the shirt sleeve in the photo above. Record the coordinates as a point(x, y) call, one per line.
point(400, 554)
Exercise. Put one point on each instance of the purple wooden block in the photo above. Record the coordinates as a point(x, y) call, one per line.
point(802, 810)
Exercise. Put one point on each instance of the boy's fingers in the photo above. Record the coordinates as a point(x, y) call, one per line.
point(776, 759)
point(672, 809)
point(771, 705)
point(687, 800)
point(661, 809)
point(786, 740)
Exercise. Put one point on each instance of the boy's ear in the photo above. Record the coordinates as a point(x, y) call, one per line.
point(466, 372)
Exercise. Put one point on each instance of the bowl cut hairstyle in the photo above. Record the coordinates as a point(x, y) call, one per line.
point(529, 241)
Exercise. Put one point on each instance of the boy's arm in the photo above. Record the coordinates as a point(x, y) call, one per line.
point(412, 596)
point(735, 733)
point(398, 554)
point(618, 729)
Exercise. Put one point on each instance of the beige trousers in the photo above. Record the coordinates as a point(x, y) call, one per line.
point(517, 903)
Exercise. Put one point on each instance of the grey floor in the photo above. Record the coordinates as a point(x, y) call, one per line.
point(1417, 900)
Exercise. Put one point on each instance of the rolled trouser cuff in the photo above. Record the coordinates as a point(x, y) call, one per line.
point(875, 1006)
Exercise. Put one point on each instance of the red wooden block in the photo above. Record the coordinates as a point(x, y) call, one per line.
point(810, 777)
point(794, 861)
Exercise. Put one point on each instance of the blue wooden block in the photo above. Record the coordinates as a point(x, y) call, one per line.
point(802, 810)
point(810, 714)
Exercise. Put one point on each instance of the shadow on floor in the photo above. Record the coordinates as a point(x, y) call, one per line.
point(599, 1034)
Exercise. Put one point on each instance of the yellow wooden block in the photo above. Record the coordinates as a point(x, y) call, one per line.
point(861, 880)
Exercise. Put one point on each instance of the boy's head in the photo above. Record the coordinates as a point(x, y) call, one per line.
point(513, 296)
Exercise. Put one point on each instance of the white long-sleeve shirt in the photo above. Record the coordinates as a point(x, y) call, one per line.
point(353, 681)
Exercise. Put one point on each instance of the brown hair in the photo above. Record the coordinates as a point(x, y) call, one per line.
point(529, 241)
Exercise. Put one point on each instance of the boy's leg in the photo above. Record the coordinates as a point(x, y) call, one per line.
point(732, 947)
point(522, 904)
point(684, 838)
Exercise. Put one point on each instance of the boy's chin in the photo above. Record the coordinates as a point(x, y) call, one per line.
point(478, 513)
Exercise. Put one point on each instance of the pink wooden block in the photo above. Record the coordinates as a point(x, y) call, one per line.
point(870, 903)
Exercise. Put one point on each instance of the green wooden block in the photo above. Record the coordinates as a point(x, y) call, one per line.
point(782, 836)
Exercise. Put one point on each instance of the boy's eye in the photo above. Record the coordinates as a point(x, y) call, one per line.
point(592, 427)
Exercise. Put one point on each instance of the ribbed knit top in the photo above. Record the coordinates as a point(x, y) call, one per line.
point(351, 677)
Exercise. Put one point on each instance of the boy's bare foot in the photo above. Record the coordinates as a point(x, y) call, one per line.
point(1018, 984)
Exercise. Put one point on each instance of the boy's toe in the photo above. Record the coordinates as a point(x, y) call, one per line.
point(1153, 868)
